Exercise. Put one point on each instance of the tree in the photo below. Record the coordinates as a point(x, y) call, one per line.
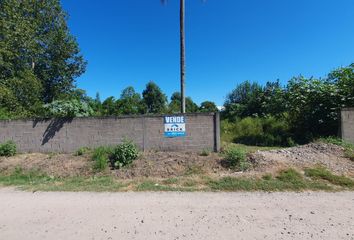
point(313, 106)
point(244, 100)
point(26, 88)
point(175, 104)
point(130, 102)
point(154, 99)
point(273, 99)
point(208, 106)
point(109, 107)
point(35, 37)
point(344, 79)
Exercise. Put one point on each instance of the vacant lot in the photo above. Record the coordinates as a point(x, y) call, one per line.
point(78, 216)
point(316, 166)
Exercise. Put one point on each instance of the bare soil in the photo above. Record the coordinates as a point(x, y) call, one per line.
point(314, 154)
point(58, 165)
point(172, 164)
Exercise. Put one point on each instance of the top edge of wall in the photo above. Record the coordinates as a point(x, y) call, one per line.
point(115, 117)
point(348, 109)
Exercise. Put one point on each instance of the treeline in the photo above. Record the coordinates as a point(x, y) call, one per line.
point(40, 60)
point(151, 101)
point(304, 109)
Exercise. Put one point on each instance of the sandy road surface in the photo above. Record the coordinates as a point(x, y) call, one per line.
point(204, 216)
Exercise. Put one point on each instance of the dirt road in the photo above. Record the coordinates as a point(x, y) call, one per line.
point(67, 216)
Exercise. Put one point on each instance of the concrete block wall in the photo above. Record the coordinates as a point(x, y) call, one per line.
point(347, 124)
point(68, 135)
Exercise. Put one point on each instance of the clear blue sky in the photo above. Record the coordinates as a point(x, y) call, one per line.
point(129, 42)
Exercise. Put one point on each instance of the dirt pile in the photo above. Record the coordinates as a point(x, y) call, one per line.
point(172, 164)
point(323, 154)
point(59, 165)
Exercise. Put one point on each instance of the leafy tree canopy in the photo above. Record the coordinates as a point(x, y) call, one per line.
point(154, 99)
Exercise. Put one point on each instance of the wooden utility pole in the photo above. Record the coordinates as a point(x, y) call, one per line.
point(183, 54)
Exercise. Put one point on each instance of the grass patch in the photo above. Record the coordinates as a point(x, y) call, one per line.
point(248, 149)
point(205, 152)
point(324, 174)
point(288, 180)
point(154, 186)
point(82, 151)
point(170, 181)
point(21, 178)
point(100, 157)
point(194, 170)
point(36, 181)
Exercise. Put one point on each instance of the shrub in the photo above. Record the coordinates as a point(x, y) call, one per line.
point(81, 151)
point(268, 131)
point(235, 158)
point(205, 152)
point(124, 154)
point(100, 157)
point(8, 149)
point(68, 108)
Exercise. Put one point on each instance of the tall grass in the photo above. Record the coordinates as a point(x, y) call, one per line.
point(257, 131)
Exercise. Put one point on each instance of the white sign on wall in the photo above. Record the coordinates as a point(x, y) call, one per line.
point(175, 126)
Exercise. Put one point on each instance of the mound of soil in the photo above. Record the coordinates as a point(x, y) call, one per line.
point(58, 165)
point(313, 154)
point(172, 164)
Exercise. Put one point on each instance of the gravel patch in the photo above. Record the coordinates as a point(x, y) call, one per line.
point(313, 154)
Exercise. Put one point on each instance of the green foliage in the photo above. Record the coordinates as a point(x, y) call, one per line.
point(109, 107)
point(309, 106)
point(175, 104)
point(82, 151)
point(287, 180)
point(344, 79)
point(208, 106)
point(39, 58)
point(313, 107)
point(100, 157)
point(130, 102)
point(124, 154)
point(68, 108)
point(243, 101)
point(205, 152)
point(154, 99)
point(194, 170)
point(267, 177)
point(35, 36)
point(349, 154)
point(322, 173)
point(267, 131)
point(8, 149)
point(291, 176)
point(235, 158)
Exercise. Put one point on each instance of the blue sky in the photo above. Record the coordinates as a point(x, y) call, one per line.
point(130, 42)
